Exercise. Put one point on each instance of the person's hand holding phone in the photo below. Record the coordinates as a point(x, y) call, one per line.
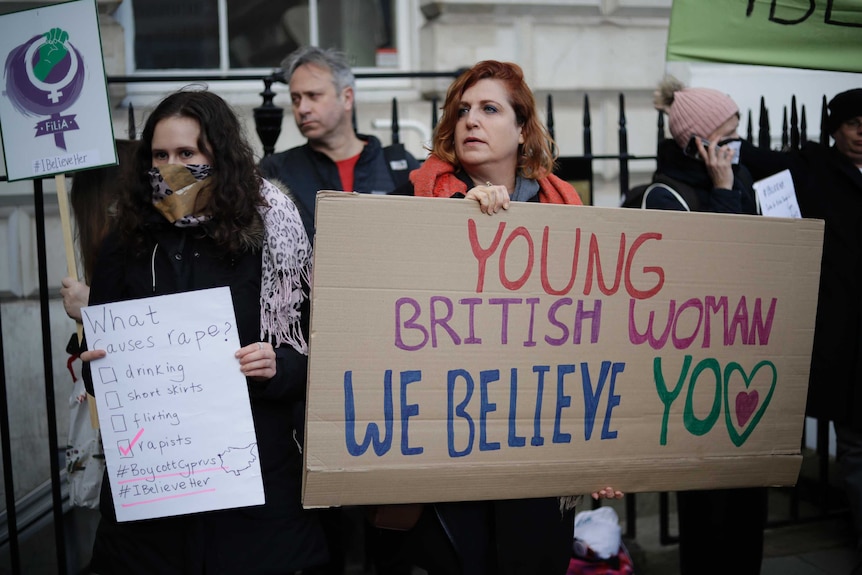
point(691, 150)
point(719, 163)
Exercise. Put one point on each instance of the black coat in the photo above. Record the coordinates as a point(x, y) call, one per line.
point(829, 187)
point(691, 172)
point(510, 537)
point(715, 518)
point(276, 537)
point(305, 171)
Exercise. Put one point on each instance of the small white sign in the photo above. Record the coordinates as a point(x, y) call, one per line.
point(54, 109)
point(173, 405)
point(776, 196)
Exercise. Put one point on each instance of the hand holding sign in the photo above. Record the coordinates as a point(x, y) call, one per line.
point(173, 400)
point(257, 361)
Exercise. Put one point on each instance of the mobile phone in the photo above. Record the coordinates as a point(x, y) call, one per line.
point(690, 149)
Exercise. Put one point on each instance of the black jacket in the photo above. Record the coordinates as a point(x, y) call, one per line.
point(276, 537)
point(702, 528)
point(829, 187)
point(673, 163)
point(306, 171)
point(511, 537)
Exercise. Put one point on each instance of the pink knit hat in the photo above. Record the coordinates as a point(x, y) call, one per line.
point(698, 111)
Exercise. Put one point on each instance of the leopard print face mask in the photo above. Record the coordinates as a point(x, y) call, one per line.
point(182, 193)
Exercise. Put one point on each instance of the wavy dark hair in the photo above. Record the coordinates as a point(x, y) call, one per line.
point(236, 191)
point(94, 196)
point(538, 152)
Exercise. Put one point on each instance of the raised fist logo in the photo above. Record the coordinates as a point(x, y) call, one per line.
point(44, 77)
point(51, 52)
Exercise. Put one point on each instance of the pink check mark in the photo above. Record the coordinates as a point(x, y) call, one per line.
point(126, 451)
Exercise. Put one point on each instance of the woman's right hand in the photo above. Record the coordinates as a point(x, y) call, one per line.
point(719, 163)
point(608, 493)
point(491, 198)
point(75, 296)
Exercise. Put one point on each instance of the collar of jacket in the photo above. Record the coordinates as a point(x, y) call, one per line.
point(371, 145)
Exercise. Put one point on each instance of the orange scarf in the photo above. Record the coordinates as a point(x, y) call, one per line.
point(436, 178)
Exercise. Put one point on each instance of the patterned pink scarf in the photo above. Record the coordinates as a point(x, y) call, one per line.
point(286, 270)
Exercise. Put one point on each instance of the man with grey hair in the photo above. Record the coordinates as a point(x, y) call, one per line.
point(322, 94)
point(335, 157)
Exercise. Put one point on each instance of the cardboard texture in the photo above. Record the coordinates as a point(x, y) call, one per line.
point(553, 350)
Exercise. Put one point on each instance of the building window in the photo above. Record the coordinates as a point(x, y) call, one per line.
point(245, 34)
point(170, 34)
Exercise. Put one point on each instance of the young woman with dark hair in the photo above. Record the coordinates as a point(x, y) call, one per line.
point(237, 230)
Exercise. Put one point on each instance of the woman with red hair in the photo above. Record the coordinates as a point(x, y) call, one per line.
point(489, 147)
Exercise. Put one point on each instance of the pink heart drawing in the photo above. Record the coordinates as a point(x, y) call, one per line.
point(749, 408)
point(746, 404)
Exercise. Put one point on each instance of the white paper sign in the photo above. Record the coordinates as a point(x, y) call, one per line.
point(54, 109)
point(776, 196)
point(173, 405)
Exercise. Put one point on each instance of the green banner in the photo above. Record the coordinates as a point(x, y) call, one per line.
point(814, 34)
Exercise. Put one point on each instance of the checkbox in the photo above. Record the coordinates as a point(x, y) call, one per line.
point(118, 422)
point(107, 375)
point(125, 449)
point(112, 399)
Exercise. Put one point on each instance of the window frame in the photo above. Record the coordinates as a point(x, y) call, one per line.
point(237, 91)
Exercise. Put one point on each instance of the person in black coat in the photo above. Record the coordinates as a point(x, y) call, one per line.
point(242, 232)
point(490, 148)
point(720, 530)
point(828, 183)
point(323, 96)
point(335, 157)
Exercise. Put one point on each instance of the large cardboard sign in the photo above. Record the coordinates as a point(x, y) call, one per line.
point(173, 405)
point(54, 110)
point(760, 32)
point(553, 350)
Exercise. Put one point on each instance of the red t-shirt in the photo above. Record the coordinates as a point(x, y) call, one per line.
point(345, 172)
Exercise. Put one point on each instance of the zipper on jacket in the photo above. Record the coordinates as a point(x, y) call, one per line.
point(153, 266)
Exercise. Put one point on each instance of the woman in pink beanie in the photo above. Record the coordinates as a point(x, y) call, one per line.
point(720, 530)
point(698, 170)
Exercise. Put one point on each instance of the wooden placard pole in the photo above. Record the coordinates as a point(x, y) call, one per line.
point(72, 268)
